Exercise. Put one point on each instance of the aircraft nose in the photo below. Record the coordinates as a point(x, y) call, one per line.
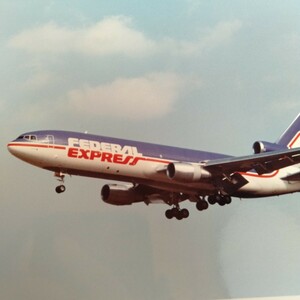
point(16, 150)
point(21, 152)
point(12, 149)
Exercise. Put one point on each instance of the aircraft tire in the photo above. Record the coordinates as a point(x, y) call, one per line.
point(212, 200)
point(184, 213)
point(227, 199)
point(179, 215)
point(202, 205)
point(169, 214)
point(222, 202)
point(176, 213)
point(60, 189)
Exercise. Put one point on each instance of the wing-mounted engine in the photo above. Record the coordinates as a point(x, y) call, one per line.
point(262, 146)
point(122, 194)
point(117, 194)
point(186, 172)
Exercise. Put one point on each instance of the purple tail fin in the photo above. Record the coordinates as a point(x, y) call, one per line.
point(291, 137)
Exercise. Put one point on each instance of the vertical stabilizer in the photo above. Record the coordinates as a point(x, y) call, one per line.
point(291, 137)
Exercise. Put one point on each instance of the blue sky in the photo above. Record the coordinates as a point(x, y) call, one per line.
point(207, 75)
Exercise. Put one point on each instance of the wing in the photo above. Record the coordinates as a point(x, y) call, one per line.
point(262, 163)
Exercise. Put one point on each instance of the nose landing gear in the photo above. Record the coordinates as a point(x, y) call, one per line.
point(61, 178)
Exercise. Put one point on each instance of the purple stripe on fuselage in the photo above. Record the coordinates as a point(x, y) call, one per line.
point(147, 149)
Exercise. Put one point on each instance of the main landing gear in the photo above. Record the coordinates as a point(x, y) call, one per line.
point(177, 213)
point(201, 204)
point(61, 178)
point(220, 199)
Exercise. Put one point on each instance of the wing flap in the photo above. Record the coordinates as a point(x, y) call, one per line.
point(262, 163)
point(270, 166)
point(233, 183)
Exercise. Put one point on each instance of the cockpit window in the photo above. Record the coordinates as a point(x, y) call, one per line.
point(28, 137)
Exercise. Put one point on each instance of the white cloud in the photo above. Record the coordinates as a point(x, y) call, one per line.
point(112, 35)
point(147, 97)
point(38, 81)
point(116, 35)
point(220, 34)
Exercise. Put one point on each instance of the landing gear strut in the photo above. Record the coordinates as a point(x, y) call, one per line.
point(176, 211)
point(61, 178)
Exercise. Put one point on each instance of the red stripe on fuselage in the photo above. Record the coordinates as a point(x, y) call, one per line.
point(137, 159)
point(260, 176)
point(50, 146)
point(37, 146)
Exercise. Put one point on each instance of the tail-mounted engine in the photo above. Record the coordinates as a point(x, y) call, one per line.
point(262, 146)
point(116, 194)
point(185, 172)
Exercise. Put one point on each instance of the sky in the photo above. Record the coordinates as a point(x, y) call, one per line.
point(209, 75)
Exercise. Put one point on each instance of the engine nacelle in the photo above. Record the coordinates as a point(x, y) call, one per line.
point(185, 172)
point(116, 194)
point(262, 146)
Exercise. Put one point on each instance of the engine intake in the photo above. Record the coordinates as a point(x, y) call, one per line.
point(186, 172)
point(116, 194)
point(262, 146)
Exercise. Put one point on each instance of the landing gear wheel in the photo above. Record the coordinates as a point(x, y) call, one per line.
point(202, 205)
point(212, 200)
point(221, 202)
point(169, 214)
point(219, 199)
point(227, 199)
point(184, 213)
point(60, 189)
point(177, 213)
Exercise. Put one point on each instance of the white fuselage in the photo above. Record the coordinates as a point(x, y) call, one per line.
point(131, 166)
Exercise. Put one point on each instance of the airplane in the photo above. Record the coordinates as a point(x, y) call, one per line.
point(152, 173)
